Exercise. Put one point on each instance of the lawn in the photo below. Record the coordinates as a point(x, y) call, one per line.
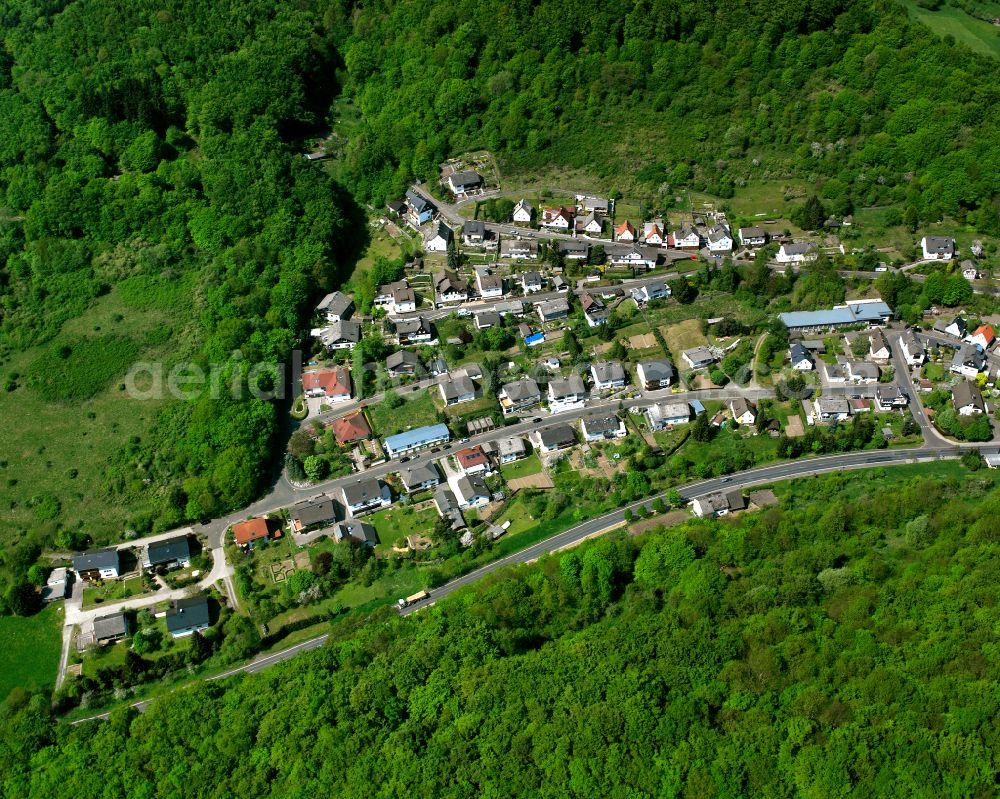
point(683, 336)
point(29, 657)
point(400, 521)
point(974, 33)
point(522, 468)
point(417, 410)
point(113, 591)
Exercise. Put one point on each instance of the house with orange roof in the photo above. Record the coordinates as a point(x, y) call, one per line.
point(984, 336)
point(625, 232)
point(246, 533)
point(652, 233)
point(473, 461)
point(351, 429)
point(333, 384)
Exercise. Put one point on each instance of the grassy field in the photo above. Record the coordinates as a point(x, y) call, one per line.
point(522, 468)
point(112, 591)
point(974, 33)
point(417, 411)
point(60, 448)
point(683, 336)
point(29, 657)
point(400, 521)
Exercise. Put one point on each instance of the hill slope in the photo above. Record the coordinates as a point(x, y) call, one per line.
point(844, 645)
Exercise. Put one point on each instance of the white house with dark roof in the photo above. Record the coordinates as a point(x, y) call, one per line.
point(416, 330)
point(456, 388)
point(551, 310)
point(531, 281)
point(490, 286)
point(754, 236)
point(567, 394)
point(366, 494)
point(519, 250)
point(698, 357)
point(797, 253)
point(878, 346)
point(608, 374)
point(937, 248)
point(519, 395)
point(657, 290)
point(601, 427)
point(801, 358)
point(523, 211)
point(913, 351)
point(967, 398)
point(336, 306)
point(719, 504)
point(743, 411)
point(439, 238)
point(720, 239)
point(474, 233)
point(554, 438)
point(448, 287)
point(831, 409)
point(594, 311)
point(465, 181)
point(687, 238)
point(657, 374)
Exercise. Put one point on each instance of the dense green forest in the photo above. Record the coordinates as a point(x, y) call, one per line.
point(844, 644)
point(150, 166)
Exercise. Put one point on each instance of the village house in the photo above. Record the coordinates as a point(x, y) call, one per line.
point(351, 429)
point(862, 372)
point(686, 238)
point(754, 236)
point(524, 212)
point(413, 331)
point(464, 182)
point(912, 349)
point(448, 287)
point(597, 205)
point(637, 257)
point(797, 253)
point(656, 290)
point(720, 239)
point(336, 306)
point(486, 319)
point(168, 553)
point(532, 281)
point(594, 311)
point(554, 438)
point(396, 297)
point(602, 426)
point(590, 224)
point(557, 218)
point(698, 357)
point(510, 449)
point(355, 532)
point(490, 286)
point(366, 494)
point(937, 248)
point(519, 396)
point(653, 233)
point(955, 327)
point(890, 398)
point(246, 533)
point(97, 564)
point(448, 509)
point(983, 337)
point(878, 346)
point(188, 616)
point(667, 414)
point(831, 409)
point(800, 357)
point(473, 460)
point(418, 209)
point(551, 310)
point(566, 394)
point(654, 375)
point(456, 388)
point(331, 384)
point(342, 335)
point(968, 361)
point(472, 492)
point(969, 271)
point(625, 232)
point(608, 374)
point(420, 476)
point(418, 438)
point(58, 585)
point(967, 398)
point(313, 513)
point(743, 411)
point(573, 250)
point(719, 504)
point(474, 233)
point(402, 362)
point(519, 250)
point(111, 628)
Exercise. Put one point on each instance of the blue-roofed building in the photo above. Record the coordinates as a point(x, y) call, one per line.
point(860, 312)
point(534, 338)
point(412, 440)
point(697, 407)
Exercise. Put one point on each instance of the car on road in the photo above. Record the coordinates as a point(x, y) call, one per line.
point(727, 479)
point(447, 446)
point(537, 420)
point(404, 459)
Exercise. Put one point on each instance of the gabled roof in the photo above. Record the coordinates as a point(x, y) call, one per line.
point(169, 550)
point(96, 559)
point(600, 424)
point(250, 530)
point(472, 457)
point(474, 227)
point(467, 177)
point(658, 370)
point(877, 341)
point(418, 474)
point(335, 303)
point(740, 406)
point(359, 532)
point(348, 429)
point(986, 331)
point(753, 232)
point(418, 203)
point(607, 371)
point(440, 229)
point(457, 385)
point(408, 327)
point(344, 330)
point(588, 302)
point(333, 382)
point(188, 613)
point(313, 511)
point(418, 437)
point(939, 244)
point(624, 227)
point(560, 435)
point(472, 486)
point(572, 385)
point(522, 203)
point(113, 626)
point(446, 281)
point(798, 353)
point(967, 393)
point(521, 390)
point(365, 489)
point(402, 358)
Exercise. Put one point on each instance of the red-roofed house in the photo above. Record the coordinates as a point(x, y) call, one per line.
point(334, 384)
point(625, 232)
point(473, 461)
point(349, 429)
point(984, 336)
point(249, 531)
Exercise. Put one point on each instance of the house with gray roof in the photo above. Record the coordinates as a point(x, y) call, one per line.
point(188, 616)
point(457, 387)
point(937, 248)
point(667, 414)
point(967, 398)
point(366, 494)
point(510, 449)
point(608, 375)
point(554, 438)
point(420, 476)
point(108, 629)
point(465, 181)
point(519, 395)
point(355, 532)
point(657, 374)
point(698, 357)
point(341, 335)
point(97, 564)
point(719, 504)
point(402, 363)
point(862, 372)
point(170, 553)
point(567, 393)
point(313, 512)
point(472, 491)
point(552, 310)
point(801, 358)
point(414, 331)
point(968, 361)
point(913, 351)
point(336, 306)
point(601, 427)
point(830, 409)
